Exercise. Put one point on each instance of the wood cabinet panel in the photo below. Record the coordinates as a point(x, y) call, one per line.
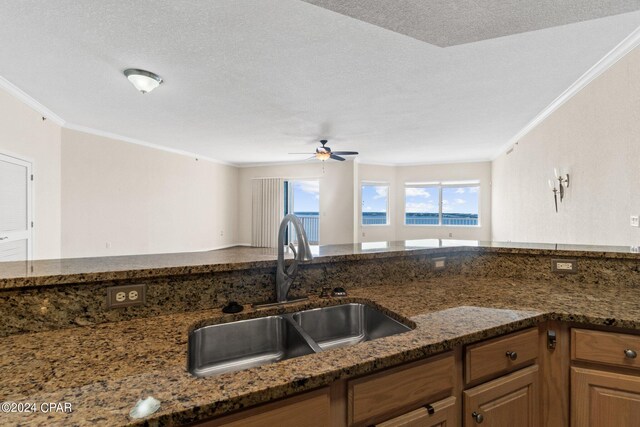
point(386, 393)
point(445, 414)
point(604, 399)
point(500, 355)
point(309, 409)
point(605, 347)
point(511, 400)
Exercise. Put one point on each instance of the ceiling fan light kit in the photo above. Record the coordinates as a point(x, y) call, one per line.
point(324, 153)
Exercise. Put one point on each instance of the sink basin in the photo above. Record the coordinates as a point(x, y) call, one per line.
point(244, 344)
point(346, 325)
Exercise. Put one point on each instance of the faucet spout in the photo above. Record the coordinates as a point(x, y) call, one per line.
point(285, 276)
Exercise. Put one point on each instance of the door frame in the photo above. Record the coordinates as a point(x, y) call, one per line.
point(27, 163)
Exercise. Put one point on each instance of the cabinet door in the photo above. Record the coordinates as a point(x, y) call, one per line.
point(508, 401)
point(441, 414)
point(604, 399)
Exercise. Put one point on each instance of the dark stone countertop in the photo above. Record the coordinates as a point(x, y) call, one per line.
point(103, 370)
point(86, 270)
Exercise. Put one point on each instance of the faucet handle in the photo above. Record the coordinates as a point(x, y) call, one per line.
point(293, 249)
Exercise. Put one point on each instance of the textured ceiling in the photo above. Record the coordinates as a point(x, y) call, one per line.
point(249, 81)
point(449, 23)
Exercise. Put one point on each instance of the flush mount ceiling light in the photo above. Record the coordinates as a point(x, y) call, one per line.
point(144, 81)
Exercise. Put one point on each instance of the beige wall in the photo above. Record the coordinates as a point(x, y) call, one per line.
point(397, 176)
point(121, 198)
point(340, 199)
point(336, 196)
point(596, 137)
point(24, 134)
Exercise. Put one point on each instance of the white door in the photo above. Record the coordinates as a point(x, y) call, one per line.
point(15, 209)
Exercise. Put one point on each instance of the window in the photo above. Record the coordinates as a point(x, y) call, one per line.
point(302, 198)
point(454, 203)
point(421, 205)
point(375, 204)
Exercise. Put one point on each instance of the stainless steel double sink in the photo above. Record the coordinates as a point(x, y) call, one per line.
point(244, 344)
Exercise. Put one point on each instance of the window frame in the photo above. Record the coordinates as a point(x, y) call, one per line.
point(440, 185)
point(376, 184)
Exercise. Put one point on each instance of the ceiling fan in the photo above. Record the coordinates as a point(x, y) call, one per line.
point(324, 153)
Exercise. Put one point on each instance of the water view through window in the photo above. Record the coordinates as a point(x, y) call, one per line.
point(303, 199)
point(375, 204)
point(441, 205)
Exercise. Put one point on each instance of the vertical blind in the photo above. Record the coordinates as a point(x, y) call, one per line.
point(267, 210)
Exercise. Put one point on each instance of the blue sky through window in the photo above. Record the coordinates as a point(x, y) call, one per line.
point(460, 200)
point(306, 196)
point(374, 198)
point(421, 199)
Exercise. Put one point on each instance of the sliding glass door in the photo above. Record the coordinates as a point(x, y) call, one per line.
point(302, 198)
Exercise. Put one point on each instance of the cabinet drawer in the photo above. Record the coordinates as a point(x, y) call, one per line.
point(404, 388)
point(610, 348)
point(443, 413)
point(500, 355)
point(308, 409)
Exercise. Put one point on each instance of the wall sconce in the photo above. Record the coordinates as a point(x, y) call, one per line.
point(563, 184)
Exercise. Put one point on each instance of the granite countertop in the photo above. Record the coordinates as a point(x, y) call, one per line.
point(103, 370)
point(85, 270)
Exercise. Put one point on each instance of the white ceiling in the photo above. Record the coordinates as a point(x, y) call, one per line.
point(248, 81)
point(448, 23)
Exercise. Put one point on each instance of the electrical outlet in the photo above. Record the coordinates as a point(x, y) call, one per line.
point(126, 295)
point(439, 263)
point(635, 221)
point(564, 265)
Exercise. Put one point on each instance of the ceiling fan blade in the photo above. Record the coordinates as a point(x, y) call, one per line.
point(345, 153)
point(334, 157)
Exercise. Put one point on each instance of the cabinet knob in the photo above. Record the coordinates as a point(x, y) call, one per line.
point(512, 355)
point(478, 417)
point(630, 354)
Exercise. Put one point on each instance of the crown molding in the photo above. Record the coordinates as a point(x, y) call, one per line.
point(29, 101)
point(110, 135)
point(618, 52)
point(291, 163)
point(50, 115)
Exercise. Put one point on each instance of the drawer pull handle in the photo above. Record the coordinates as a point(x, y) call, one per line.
point(478, 417)
point(630, 354)
point(430, 409)
point(512, 355)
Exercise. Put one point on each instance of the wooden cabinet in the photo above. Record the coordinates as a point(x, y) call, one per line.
point(379, 396)
point(609, 348)
point(607, 391)
point(604, 399)
point(308, 409)
point(511, 400)
point(500, 355)
point(443, 413)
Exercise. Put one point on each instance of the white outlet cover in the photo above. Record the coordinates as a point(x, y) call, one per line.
point(133, 295)
point(635, 221)
point(121, 296)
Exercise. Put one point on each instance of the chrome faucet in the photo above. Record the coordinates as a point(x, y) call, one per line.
point(284, 277)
